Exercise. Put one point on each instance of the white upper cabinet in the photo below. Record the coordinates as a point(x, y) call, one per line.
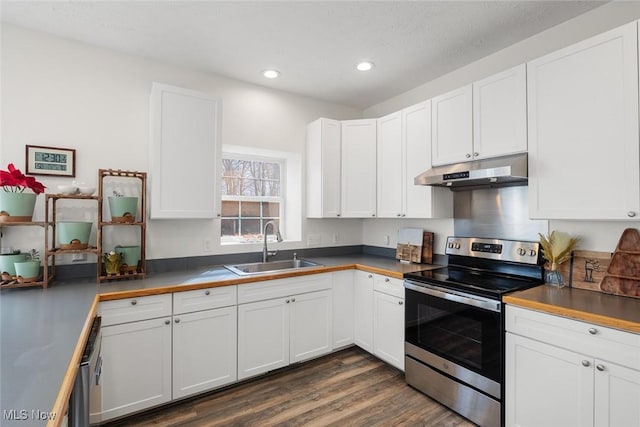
point(452, 128)
point(184, 153)
point(323, 169)
point(500, 114)
point(404, 151)
point(483, 120)
point(390, 166)
point(584, 159)
point(358, 198)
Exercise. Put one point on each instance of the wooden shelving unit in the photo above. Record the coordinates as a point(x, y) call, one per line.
point(51, 215)
point(140, 271)
point(15, 282)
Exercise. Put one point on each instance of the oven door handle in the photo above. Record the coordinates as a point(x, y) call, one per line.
point(479, 302)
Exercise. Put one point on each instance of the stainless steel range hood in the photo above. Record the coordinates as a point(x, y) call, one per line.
point(496, 172)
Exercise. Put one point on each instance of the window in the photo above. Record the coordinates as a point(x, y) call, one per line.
point(251, 196)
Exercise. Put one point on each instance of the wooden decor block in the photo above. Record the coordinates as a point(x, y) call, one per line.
point(587, 269)
point(623, 274)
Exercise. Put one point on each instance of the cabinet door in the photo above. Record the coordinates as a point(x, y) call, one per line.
point(342, 293)
point(388, 328)
point(204, 350)
point(500, 114)
point(583, 129)
point(136, 366)
point(390, 166)
point(617, 397)
point(359, 168)
point(263, 337)
point(546, 385)
point(184, 121)
point(311, 325)
point(323, 169)
point(363, 310)
point(452, 127)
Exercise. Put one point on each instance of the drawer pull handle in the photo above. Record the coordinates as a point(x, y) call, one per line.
point(400, 302)
point(370, 276)
point(387, 280)
point(288, 301)
point(631, 214)
point(600, 367)
point(293, 300)
point(134, 302)
point(177, 320)
point(207, 292)
point(167, 322)
point(585, 363)
point(593, 331)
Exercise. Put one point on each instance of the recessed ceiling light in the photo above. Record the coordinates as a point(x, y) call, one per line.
point(271, 74)
point(365, 66)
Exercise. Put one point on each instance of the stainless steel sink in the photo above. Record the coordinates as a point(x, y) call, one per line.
point(270, 267)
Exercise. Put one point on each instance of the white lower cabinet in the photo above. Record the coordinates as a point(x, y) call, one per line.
point(564, 372)
point(343, 300)
point(388, 320)
point(272, 333)
point(204, 350)
point(136, 366)
point(263, 337)
point(363, 310)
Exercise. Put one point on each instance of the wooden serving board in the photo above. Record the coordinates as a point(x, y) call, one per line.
point(623, 274)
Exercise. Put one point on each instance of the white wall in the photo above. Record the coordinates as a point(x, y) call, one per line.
point(595, 235)
point(57, 92)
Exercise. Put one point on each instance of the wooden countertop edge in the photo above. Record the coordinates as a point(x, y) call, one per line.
point(107, 296)
point(62, 400)
point(622, 324)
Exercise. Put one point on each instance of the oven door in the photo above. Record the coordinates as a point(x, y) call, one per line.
point(456, 333)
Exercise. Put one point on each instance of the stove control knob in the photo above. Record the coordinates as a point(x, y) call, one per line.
point(522, 251)
point(450, 245)
point(533, 252)
point(457, 246)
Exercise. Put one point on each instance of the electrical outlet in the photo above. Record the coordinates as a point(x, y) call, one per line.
point(78, 257)
point(313, 240)
point(386, 240)
point(206, 245)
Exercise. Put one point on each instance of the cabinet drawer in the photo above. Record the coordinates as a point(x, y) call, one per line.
point(389, 286)
point(589, 339)
point(134, 309)
point(279, 288)
point(204, 299)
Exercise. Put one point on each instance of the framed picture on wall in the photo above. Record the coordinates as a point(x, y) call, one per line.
point(52, 161)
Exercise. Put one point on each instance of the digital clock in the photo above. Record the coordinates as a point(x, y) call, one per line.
point(50, 161)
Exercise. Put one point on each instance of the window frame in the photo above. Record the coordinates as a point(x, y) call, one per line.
point(282, 162)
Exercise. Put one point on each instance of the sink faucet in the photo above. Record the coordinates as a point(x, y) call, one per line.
point(265, 251)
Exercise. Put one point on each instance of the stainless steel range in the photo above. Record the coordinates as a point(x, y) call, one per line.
point(454, 328)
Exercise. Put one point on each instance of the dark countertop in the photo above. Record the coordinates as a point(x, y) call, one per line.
point(41, 328)
point(595, 307)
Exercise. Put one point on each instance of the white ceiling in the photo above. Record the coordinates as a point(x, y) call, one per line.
point(315, 45)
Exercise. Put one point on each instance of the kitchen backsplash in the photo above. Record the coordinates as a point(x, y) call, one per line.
point(496, 213)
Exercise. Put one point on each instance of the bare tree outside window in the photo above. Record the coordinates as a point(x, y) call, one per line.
point(251, 196)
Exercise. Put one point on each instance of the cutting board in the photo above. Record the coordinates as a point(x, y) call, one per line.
point(415, 245)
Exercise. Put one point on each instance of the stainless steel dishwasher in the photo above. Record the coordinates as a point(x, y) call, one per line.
point(86, 398)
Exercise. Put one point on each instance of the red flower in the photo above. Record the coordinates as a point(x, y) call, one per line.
point(12, 180)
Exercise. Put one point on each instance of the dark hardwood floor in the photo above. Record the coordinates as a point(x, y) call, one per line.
point(348, 388)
